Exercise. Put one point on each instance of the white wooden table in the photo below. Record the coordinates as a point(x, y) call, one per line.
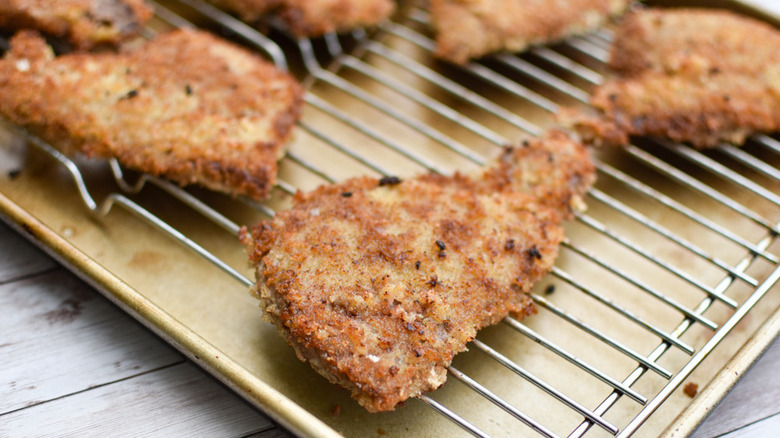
point(73, 364)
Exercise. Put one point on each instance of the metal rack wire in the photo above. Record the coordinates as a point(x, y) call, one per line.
point(366, 69)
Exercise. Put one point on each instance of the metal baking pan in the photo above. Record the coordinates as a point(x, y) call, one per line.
point(668, 278)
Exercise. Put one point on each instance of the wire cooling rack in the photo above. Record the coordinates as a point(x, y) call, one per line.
point(677, 247)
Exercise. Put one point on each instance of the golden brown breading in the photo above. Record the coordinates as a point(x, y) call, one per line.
point(694, 76)
point(379, 283)
point(311, 18)
point(703, 109)
point(692, 40)
point(187, 106)
point(315, 18)
point(247, 10)
point(554, 169)
point(85, 23)
point(467, 29)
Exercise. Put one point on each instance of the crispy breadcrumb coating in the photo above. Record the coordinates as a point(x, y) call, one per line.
point(85, 23)
point(689, 75)
point(312, 18)
point(187, 106)
point(315, 18)
point(468, 29)
point(378, 283)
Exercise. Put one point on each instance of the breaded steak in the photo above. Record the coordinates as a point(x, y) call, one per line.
point(85, 23)
point(684, 39)
point(555, 170)
point(378, 283)
point(318, 17)
point(187, 106)
point(312, 18)
point(693, 76)
point(247, 10)
point(468, 29)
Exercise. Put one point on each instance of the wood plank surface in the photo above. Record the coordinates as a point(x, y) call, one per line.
point(23, 260)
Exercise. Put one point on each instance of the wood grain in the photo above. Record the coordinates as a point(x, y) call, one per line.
point(174, 401)
point(73, 364)
point(23, 260)
point(755, 397)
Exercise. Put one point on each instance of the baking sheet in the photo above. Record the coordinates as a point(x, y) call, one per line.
point(212, 318)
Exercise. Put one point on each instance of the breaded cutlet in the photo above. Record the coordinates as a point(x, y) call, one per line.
point(307, 18)
point(686, 39)
point(187, 106)
point(84, 23)
point(312, 18)
point(379, 283)
point(247, 10)
point(689, 75)
point(469, 29)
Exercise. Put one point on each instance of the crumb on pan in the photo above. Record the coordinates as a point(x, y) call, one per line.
point(691, 389)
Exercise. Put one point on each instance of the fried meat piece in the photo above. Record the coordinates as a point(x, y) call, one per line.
point(692, 40)
point(468, 29)
point(378, 283)
point(247, 10)
point(187, 106)
point(555, 170)
point(85, 23)
point(693, 76)
point(315, 18)
point(311, 18)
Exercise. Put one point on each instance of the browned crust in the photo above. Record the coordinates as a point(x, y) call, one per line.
point(554, 169)
point(468, 29)
point(311, 18)
point(686, 40)
point(701, 111)
point(187, 106)
point(248, 10)
point(689, 75)
point(85, 23)
point(315, 18)
point(378, 284)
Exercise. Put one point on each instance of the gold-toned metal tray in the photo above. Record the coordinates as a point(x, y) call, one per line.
point(668, 278)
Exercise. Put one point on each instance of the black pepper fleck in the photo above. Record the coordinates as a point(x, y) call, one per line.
point(434, 281)
point(526, 143)
point(130, 94)
point(534, 253)
point(441, 245)
point(549, 289)
point(389, 181)
point(417, 265)
point(188, 90)
point(13, 174)
point(442, 254)
point(613, 97)
point(509, 245)
point(727, 98)
point(346, 194)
